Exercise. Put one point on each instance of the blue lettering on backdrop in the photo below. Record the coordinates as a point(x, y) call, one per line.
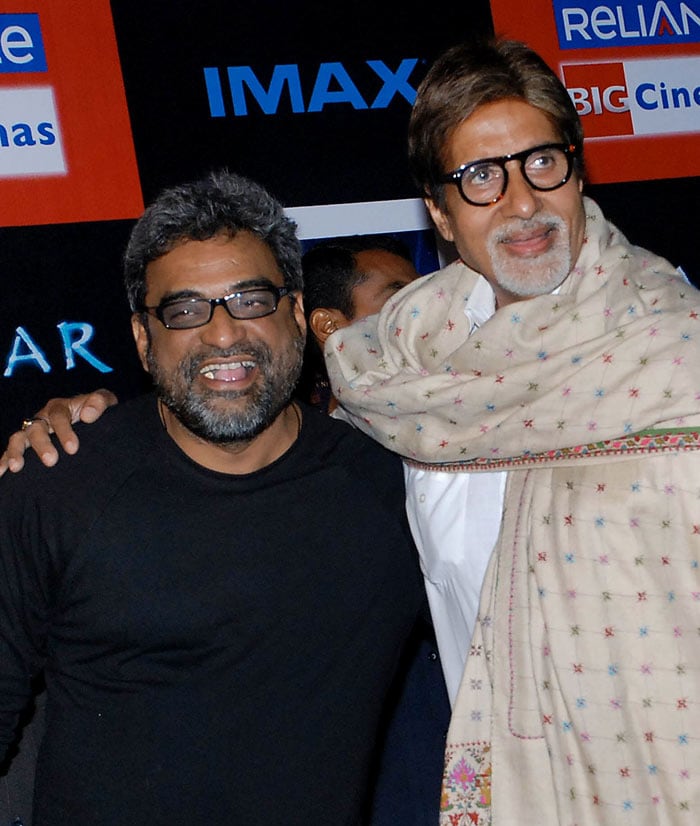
point(74, 337)
point(215, 94)
point(286, 76)
point(270, 100)
point(649, 96)
point(21, 44)
point(591, 25)
point(394, 82)
point(33, 354)
point(321, 95)
point(22, 134)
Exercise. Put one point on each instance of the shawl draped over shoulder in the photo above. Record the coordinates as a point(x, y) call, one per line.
point(615, 352)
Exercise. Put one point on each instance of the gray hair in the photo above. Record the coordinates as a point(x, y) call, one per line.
point(220, 203)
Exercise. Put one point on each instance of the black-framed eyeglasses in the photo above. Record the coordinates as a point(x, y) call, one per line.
point(484, 182)
point(186, 313)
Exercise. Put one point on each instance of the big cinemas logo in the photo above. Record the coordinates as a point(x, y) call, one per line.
point(591, 24)
point(30, 135)
point(66, 149)
point(636, 97)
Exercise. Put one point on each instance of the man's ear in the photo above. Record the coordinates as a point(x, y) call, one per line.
point(298, 310)
point(440, 219)
point(323, 322)
point(140, 334)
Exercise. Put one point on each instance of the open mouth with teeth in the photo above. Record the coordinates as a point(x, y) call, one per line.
point(230, 371)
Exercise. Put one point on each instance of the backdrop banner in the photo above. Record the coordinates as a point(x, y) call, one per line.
point(632, 68)
point(66, 152)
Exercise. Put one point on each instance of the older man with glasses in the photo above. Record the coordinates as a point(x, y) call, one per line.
point(544, 391)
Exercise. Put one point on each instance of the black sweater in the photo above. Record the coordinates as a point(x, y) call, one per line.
point(216, 648)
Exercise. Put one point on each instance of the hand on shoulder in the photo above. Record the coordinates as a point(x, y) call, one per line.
point(57, 417)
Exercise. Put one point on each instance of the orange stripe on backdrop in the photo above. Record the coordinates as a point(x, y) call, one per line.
point(83, 76)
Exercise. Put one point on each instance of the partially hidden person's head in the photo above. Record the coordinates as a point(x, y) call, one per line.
point(213, 275)
point(346, 278)
point(352, 277)
point(496, 149)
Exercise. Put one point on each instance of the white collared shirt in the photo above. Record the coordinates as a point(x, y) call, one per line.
point(455, 519)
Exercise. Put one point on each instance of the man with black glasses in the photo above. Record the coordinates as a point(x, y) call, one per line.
point(219, 587)
point(545, 393)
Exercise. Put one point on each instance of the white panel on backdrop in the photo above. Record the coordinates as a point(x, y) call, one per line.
point(667, 95)
point(30, 138)
point(328, 220)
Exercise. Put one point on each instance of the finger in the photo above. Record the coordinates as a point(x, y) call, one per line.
point(62, 413)
point(65, 434)
point(95, 405)
point(5, 464)
point(13, 457)
point(35, 433)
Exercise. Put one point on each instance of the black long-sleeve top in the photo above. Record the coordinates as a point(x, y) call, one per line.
point(216, 648)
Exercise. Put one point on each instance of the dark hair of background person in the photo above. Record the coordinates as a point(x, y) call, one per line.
point(331, 274)
point(468, 76)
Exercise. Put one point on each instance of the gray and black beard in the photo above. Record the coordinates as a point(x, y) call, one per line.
point(202, 413)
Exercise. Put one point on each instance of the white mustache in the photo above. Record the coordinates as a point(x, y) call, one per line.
point(517, 226)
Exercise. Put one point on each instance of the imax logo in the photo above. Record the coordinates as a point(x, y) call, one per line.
point(332, 84)
point(591, 25)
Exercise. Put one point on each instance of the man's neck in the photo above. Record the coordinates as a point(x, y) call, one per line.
point(237, 458)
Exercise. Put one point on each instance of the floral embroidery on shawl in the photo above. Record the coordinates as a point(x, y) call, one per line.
point(466, 787)
point(648, 442)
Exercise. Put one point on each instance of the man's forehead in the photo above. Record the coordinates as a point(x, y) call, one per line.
point(385, 263)
point(222, 258)
point(236, 248)
point(496, 111)
point(502, 126)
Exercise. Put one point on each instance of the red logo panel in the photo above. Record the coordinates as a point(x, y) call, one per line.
point(73, 106)
point(599, 93)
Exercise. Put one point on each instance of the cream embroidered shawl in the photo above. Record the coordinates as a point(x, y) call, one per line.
point(580, 701)
point(615, 352)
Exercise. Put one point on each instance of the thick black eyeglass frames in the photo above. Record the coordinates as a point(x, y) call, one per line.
point(483, 182)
